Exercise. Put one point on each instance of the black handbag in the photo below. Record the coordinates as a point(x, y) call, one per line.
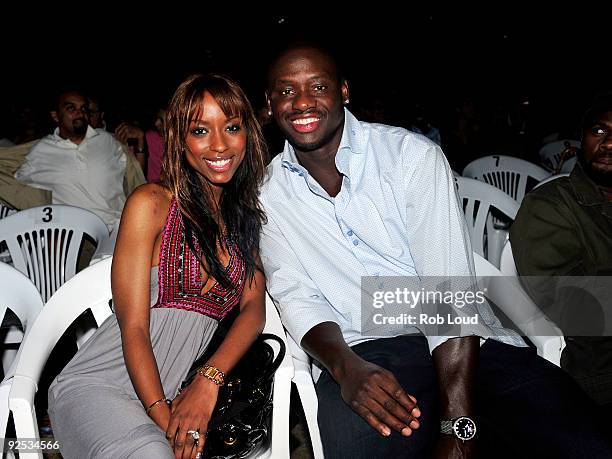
point(241, 420)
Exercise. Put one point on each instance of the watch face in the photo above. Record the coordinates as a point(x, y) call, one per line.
point(464, 428)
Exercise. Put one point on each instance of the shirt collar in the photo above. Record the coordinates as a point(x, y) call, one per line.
point(351, 142)
point(91, 132)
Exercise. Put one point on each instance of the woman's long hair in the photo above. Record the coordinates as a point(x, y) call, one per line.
point(239, 205)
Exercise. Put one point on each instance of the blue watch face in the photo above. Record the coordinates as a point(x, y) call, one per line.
point(464, 428)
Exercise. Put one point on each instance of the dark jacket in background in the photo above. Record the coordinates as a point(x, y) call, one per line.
point(564, 228)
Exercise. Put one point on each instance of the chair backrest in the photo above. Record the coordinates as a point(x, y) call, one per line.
point(511, 175)
point(44, 242)
point(481, 203)
point(6, 210)
point(106, 248)
point(89, 289)
point(20, 295)
point(551, 178)
point(550, 154)
point(568, 165)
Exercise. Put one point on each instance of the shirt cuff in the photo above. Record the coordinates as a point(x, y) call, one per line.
point(298, 323)
point(434, 341)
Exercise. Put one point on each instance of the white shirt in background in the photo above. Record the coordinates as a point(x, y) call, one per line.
point(89, 175)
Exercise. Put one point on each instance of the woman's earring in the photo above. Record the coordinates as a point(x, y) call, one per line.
point(269, 112)
point(346, 102)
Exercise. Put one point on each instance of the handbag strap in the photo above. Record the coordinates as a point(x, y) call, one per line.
point(281, 353)
point(262, 337)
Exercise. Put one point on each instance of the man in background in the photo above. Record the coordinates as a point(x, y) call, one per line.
point(564, 228)
point(80, 165)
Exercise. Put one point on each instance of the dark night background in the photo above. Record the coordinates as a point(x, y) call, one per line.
point(396, 55)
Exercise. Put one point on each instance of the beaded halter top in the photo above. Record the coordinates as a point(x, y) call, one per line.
point(180, 277)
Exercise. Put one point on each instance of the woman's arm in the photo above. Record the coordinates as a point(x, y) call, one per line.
point(246, 328)
point(142, 221)
point(192, 409)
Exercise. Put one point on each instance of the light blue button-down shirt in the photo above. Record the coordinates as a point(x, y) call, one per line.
point(397, 214)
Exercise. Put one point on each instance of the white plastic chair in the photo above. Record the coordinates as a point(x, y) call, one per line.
point(91, 289)
point(568, 165)
point(305, 386)
point(508, 294)
point(106, 248)
point(6, 210)
point(506, 261)
point(278, 443)
point(20, 295)
point(509, 174)
point(44, 242)
point(550, 154)
point(551, 178)
point(482, 205)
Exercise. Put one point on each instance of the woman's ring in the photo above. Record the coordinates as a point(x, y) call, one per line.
point(195, 434)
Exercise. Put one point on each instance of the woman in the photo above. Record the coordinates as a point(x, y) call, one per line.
point(196, 235)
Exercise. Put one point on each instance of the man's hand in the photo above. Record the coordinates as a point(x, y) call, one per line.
point(127, 131)
point(375, 394)
point(450, 447)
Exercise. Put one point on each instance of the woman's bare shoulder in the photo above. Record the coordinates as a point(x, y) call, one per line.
point(149, 202)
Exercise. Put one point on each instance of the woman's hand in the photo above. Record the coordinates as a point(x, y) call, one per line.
point(191, 411)
point(160, 414)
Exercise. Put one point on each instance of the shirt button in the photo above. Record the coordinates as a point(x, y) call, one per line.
point(349, 233)
point(355, 242)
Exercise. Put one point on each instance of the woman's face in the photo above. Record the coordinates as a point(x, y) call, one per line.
point(216, 144)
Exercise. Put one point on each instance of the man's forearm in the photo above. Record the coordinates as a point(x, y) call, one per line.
point(456, 361)
point(325, 343)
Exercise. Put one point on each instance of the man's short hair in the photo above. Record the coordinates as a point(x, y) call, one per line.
point(323, 48)
point(600, 105)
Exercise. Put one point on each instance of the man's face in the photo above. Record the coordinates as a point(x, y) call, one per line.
point(596, 157)
point(72, 115)
point(96, 117)
point(306, 98)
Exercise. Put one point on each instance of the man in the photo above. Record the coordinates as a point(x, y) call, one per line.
point(564, 228)
point(346, 200)
point(82, 167)
point(96, 114)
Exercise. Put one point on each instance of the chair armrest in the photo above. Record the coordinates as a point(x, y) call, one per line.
point(21, 403)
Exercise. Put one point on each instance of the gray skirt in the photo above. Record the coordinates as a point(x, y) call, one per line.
point(93, 407)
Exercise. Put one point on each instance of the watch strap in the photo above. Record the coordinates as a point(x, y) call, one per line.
point(450, 427)
point(446, 426)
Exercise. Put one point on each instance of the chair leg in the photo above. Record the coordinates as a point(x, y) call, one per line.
point(279, 444)
point(308, 397)
point(5, 389)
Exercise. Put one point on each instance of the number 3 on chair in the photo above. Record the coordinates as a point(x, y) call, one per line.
point(48, 214)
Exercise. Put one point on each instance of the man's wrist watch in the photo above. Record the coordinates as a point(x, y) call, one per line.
point(463, 428)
